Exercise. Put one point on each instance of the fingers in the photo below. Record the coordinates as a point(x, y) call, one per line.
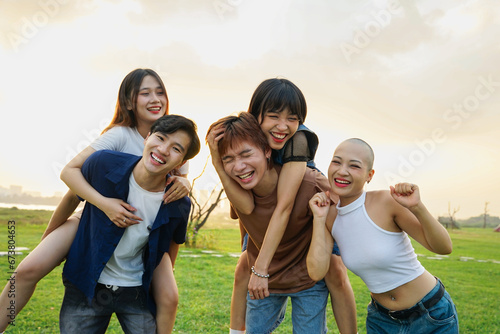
point(126, 219)
point(259, 292)
point(258, 287)
point(175, 193)
point(128, 207)
point(403, 189)
point(320, 199)
point(214, 137)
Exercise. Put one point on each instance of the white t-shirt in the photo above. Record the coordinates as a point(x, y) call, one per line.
point(125, 267)
point(125, 139)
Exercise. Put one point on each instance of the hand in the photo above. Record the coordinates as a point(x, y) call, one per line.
point(179, 189)
point(213, 138)
point(320, 204)
point(257, 287)
point(119, 212)
point(406, 194)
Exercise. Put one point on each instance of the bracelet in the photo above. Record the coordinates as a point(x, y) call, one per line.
point(259, 275)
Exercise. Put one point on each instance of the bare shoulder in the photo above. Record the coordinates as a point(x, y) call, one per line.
point(379, 197)
point(382, 209)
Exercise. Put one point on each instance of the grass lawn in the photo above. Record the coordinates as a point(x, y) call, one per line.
point(204, 277)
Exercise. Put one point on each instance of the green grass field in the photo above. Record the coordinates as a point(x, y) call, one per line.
point(204, 277)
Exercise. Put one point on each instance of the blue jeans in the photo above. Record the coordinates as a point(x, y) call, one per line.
point(308, 311)
point(439, 318)
point(79, 316)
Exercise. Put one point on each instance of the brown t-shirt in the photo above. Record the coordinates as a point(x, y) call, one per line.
point(287, 271)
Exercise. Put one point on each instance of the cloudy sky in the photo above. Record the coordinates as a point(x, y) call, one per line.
point(419, 81)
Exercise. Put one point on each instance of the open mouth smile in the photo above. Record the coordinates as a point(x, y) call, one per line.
point(341, 183)
point(157, 158)
point(279, 137)
point(247, 177)
point(154, 110)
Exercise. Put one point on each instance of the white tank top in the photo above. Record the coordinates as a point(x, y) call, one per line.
point(384, 260)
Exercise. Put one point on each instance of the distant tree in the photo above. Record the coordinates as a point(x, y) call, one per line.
point(450, 221)
point(201, 211)
point(485, 213)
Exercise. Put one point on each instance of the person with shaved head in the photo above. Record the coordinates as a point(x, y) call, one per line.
point(372, 230)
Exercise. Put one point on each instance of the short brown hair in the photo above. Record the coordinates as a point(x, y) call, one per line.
point(243, 127)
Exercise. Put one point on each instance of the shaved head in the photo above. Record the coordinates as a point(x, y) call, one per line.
point(370, 156)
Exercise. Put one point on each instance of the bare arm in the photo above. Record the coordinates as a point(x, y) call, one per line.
point(63, 211)
point(320, 250)
point(240, 198)
point(417, 221)
point(179, 189)
point(289, 182)
point(116, 209)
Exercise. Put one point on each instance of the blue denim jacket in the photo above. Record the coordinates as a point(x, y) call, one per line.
point(97, 237)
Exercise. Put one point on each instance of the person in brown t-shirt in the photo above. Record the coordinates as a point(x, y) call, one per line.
point(246, 158)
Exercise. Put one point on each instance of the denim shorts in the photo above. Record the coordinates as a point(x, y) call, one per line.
point(263, 316)
point(440, 318)
point(335, 251)
point(129, 304)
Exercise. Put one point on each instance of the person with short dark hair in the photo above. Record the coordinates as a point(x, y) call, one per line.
point(109, 269)
point(280, 109)
point(246, 158)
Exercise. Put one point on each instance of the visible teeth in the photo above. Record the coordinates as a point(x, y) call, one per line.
point(155, 158)
point(245, 176)
point(279, 136)
point(342, 181)
point(155, 109)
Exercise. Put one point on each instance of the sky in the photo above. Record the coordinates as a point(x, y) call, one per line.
point(419, 81)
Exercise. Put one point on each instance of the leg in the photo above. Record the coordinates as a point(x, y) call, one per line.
point(132, 312)
point(239, 296)
point(79, 316)
point(342, 296)
point(309, 309)
point(166, 295)
point(265, 315)
point(49, 253)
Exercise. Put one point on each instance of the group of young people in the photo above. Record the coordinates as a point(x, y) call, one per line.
point(298, 226)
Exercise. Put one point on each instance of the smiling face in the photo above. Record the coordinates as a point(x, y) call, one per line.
point(246, 163)
point(151, 101)
point(164, 152)
point(278, 127)
point(350, 168)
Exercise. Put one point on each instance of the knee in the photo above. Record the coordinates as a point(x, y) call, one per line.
point(29, 271)
point(241, 273)
point(167, 298)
